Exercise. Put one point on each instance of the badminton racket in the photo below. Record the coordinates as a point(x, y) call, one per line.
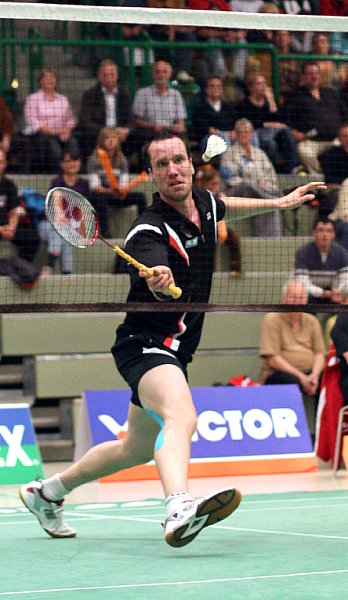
point(76, 221)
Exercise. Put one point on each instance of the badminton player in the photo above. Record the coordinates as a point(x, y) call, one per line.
point(176, 236)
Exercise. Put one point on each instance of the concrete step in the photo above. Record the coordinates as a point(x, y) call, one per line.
point(54, 450)
point(11, 375)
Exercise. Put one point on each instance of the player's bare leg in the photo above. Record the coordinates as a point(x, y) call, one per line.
point(164, 391)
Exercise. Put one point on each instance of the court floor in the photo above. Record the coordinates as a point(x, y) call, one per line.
point(287, 540)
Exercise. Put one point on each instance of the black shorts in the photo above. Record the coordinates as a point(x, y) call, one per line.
point(134, 355)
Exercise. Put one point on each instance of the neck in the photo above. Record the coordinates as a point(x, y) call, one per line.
point(185, 207)
point(70, 180)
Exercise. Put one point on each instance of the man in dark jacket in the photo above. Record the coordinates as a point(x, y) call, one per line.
point(104, 105)
point(213, 114)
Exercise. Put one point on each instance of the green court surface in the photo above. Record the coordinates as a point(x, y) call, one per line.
point(274, 547)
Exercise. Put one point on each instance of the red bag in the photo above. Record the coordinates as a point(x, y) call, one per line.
point(241, 381)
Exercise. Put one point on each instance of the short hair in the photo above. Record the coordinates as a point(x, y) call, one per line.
point(160, 136)
point(308, 63)
point(323, 219)
point(242, 123)
point(44, 72)
point(107, 62)
point(73, 154)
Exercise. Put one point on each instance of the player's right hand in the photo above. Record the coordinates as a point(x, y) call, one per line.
point(160, 280)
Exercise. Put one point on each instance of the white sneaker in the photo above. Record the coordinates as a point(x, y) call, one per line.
point(49, 513)
point(181, 528)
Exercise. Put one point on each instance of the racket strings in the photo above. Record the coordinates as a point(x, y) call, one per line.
point(72, 217)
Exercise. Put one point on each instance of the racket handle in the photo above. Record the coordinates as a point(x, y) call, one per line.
point(172, 289)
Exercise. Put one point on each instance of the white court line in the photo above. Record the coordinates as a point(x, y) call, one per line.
point(174, 583)
point(274, 532)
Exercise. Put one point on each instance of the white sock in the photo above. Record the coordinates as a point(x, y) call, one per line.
point(175, 500)
point(53, 489)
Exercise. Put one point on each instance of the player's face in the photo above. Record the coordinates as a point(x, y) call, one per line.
point(171, 169)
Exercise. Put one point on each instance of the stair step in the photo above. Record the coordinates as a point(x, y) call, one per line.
point(15, 397)
point(55, 450)
point(45, 423)
point(11, 375)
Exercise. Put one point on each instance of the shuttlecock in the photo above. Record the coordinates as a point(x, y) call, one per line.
point(215, 145)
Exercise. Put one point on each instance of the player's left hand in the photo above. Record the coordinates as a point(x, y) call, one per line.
point(301, 194)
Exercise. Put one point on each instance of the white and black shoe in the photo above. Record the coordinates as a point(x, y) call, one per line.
point(181, 527)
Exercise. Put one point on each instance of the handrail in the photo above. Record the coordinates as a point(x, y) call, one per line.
point(35, 46)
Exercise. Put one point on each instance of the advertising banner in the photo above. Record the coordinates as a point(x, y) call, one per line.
point(259, 429)
point(20, 459)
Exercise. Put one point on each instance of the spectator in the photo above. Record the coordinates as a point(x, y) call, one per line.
point(6, 126)
point(320, 262)
point(155, 107)
point(328, 71)
point(213, 114)
point(108, 178)
point(289, 73)
point(208, 178)
point(50, 121)
point(291, 345)
point(334, 8)
point(272, 134)
point(247, 172)
point(70, 165)
point(315, 114)
point(106, 104)
point(20, 232)
point(136, 33)
point(334, 163)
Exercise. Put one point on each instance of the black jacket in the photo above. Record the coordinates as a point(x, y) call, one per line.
point(93, 110)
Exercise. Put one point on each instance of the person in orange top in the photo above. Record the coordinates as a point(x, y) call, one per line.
point(109, 178)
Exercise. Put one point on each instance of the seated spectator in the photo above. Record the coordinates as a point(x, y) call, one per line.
point(320, 262)
point(291, 345)
point(263, 36)
point(155, 107)
point(289, 73)
point(182, 57)
point(56, 247)
point(106, 104)
point(329, 74)
point(6, 126)
point(273, 136)
point(213, 115)
point(109, 177)
point(50, 121)
point(136, 33)
point(208, 177)
point(247, 172)
point(334, 163)
point(20, 232)
point(315, 113)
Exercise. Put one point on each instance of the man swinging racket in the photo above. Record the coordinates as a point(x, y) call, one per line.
point(176, 236)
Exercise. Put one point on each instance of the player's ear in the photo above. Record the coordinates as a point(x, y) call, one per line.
point(192, 167)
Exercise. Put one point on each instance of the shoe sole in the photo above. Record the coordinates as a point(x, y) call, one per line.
point(210, 511)
point(54, 535)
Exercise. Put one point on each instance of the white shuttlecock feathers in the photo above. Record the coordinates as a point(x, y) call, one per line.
point(215, 145)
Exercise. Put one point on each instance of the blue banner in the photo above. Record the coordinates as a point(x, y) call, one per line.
point(232, 421)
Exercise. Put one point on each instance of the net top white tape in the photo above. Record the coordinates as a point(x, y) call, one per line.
point(168, 16)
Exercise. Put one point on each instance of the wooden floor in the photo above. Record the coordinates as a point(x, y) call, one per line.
point(322, 480)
